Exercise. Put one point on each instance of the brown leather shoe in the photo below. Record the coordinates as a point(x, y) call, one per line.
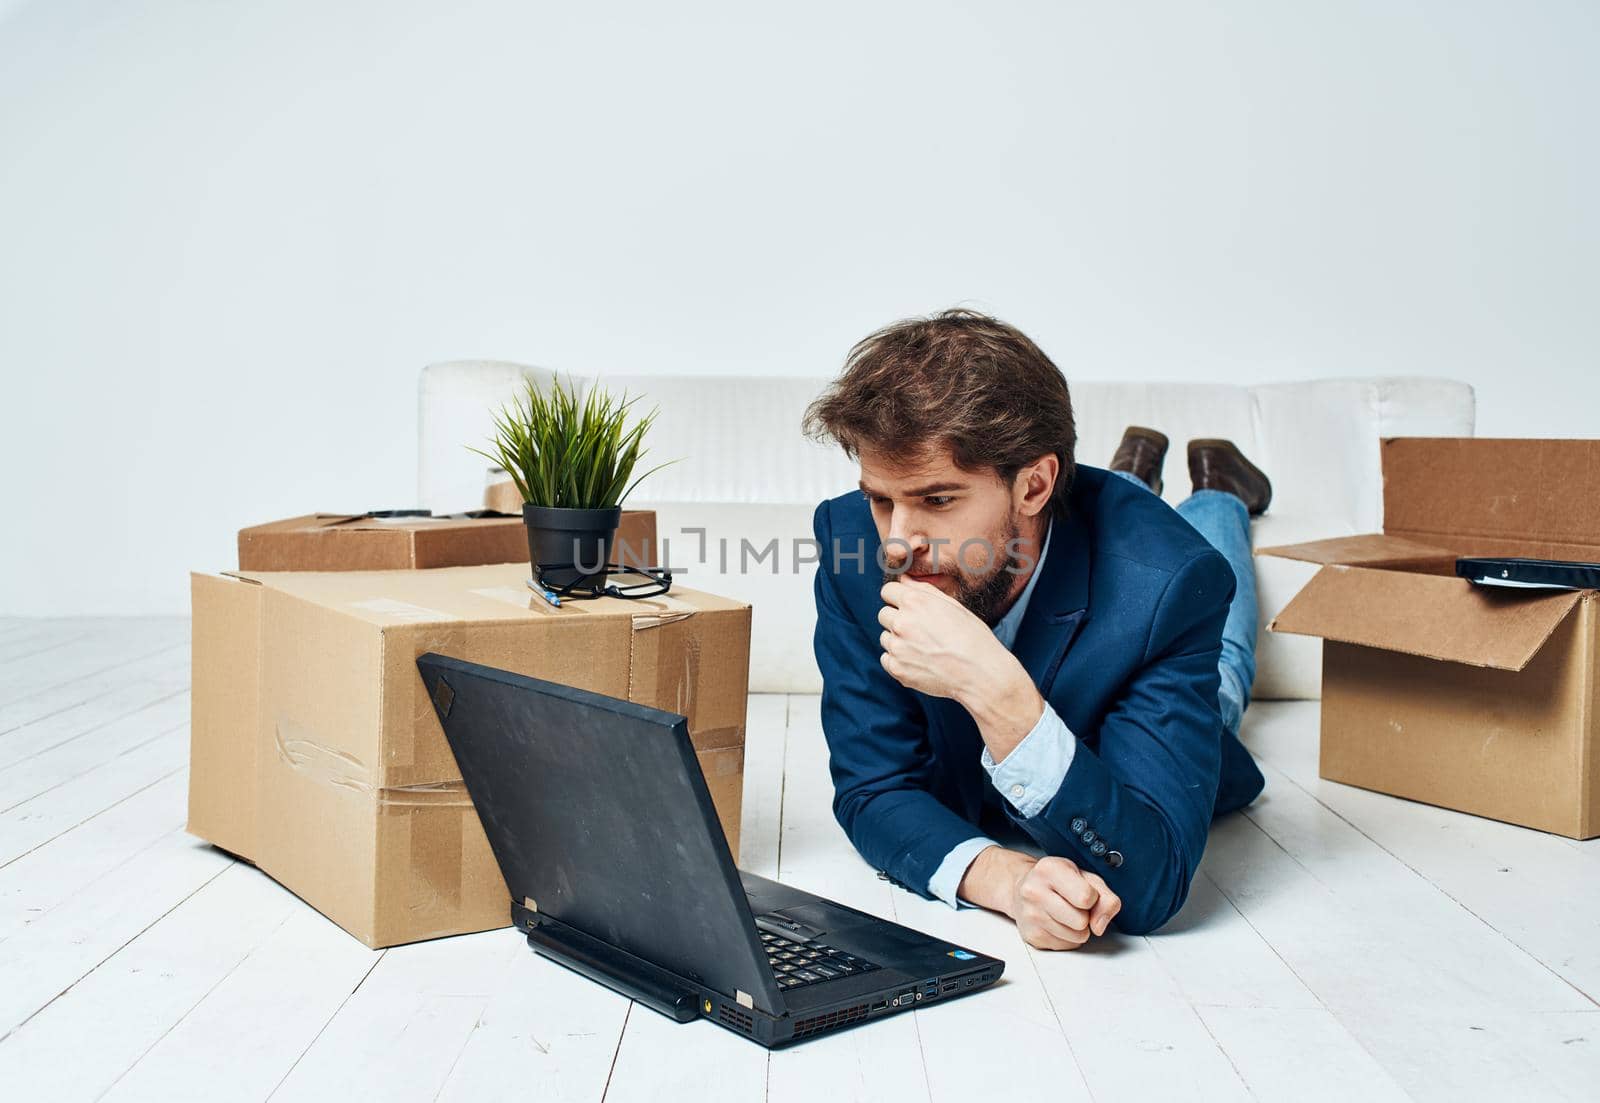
point(1219, 465)
point(1141, 455)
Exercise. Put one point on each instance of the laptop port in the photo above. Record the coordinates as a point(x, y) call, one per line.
point(880, 1005)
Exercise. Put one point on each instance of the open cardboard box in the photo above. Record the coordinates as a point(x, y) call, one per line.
point(362, 542)
point(1473, 698)
point(316, 754)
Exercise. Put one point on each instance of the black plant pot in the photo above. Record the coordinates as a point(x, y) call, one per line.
point(570, 547)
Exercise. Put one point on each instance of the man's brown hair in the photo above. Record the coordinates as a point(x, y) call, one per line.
point(958, 378)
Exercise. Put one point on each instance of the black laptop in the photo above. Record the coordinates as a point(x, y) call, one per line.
point(618, 868)
point(1535, 574)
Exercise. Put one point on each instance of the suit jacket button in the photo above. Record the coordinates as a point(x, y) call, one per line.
point(1079, 825)
point(1114, 859)
point(1088, 837)
point(1099, 848)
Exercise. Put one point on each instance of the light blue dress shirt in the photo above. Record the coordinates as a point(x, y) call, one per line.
point(1030, 774)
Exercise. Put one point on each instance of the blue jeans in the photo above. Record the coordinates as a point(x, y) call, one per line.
point(1224, 521)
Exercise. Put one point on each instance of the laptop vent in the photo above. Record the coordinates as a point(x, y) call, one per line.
point(732, 1016)
point(818, 1023)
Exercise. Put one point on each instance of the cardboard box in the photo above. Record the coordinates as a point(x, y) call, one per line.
point(1473, 698)
point(503, 497)
point(316, 754)
point(351, 542)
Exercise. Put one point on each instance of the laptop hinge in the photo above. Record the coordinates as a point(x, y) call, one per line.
point(617, 969)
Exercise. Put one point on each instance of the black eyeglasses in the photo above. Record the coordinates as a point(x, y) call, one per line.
point(656, 581)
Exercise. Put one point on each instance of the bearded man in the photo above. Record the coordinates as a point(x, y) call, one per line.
point(1033, 670)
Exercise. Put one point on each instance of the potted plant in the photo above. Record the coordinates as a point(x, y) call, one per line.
point(572, 460)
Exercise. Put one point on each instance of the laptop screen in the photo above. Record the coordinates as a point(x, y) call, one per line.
point(596, 810)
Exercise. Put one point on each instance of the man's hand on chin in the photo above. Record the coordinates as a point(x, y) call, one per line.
point(935, 645)
point(1056, 905)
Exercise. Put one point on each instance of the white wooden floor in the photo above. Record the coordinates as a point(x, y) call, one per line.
point(1337, 945)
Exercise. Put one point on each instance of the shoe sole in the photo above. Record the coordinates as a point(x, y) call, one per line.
point(1155, 436)
point(1232, 449)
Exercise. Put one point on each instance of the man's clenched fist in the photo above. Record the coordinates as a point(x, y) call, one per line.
point(1055, 905)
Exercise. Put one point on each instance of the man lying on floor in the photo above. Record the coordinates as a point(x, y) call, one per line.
point(1018, 649)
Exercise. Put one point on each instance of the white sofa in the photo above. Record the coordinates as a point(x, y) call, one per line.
point(745, 477)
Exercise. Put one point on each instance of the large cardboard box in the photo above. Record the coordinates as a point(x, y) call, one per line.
point(503, 496)
point(317, 755)
point(361, 542)
point(1480, 699)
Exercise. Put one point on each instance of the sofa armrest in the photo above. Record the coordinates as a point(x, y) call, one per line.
point(1410, 406)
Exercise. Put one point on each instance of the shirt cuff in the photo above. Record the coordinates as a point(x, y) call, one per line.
point(1034, 769)
point(947, 878)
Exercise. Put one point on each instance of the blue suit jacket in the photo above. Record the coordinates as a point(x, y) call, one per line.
point(1122, 635)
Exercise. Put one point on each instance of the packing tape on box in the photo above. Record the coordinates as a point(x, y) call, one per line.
point(438, 794)
point(434, 856)
point(319, 762)
point(664, 666)
point(331, 766)
point(403, 611)
point(718, 762)
point(716, 739)
point(664, 670)
point(653, 612)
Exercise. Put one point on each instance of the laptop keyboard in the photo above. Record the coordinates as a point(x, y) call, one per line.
point(797, 964)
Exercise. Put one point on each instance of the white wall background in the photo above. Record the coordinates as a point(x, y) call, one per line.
point(231, 233)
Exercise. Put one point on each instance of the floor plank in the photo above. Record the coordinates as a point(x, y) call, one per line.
point(57, 950)
point(1219, 960)
point(39, 758)
point(286, 989)
point(1300, 1054)
point(1425, 987)
point(40, 639)
point(545, 1033)
point(1501, 873)
point(35, 822)
point(400, 1033)
point(20, 635)
point(663, 1059)
point(87, 657)
point(167, 666)
point(1016, 1015)
point(1132, 1029)
point(86, 716)
point(42, 879)
point(80, 1044)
